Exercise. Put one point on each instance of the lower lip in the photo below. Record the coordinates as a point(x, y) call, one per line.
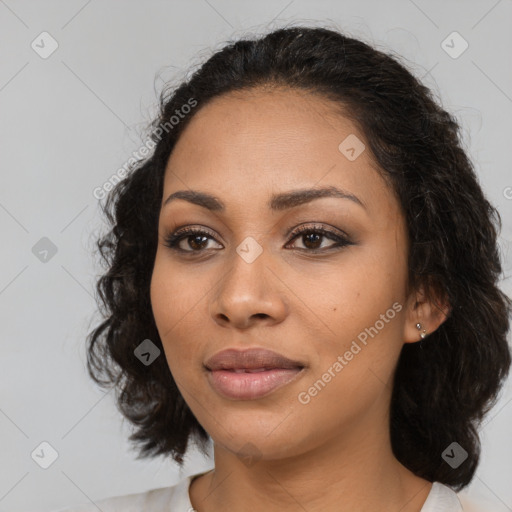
point(250, 386)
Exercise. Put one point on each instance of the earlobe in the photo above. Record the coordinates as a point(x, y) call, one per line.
point(422, 333)
point(424, 315)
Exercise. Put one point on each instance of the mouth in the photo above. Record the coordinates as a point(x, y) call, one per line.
point(250, 374)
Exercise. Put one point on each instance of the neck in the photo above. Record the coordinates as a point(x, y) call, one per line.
point(358, 473)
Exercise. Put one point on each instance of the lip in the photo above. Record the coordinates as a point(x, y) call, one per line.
point(253, 358)
point(267, 371)
point(251, 386)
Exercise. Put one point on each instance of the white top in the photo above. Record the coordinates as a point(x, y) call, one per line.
point(176, 499)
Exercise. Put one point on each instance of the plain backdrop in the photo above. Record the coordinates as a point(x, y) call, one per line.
point(70, 119)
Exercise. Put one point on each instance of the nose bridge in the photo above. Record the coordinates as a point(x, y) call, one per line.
point(245, 279)
point(246, 290)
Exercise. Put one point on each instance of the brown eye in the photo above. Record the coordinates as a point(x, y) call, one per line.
point(313, 236)
point(195, 239)
point(311, 240)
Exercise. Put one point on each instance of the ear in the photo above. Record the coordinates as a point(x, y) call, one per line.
point(429, 313)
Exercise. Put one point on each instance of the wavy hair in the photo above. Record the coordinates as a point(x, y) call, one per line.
point(443, 385)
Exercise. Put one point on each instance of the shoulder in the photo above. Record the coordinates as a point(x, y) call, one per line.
point(165, 499)
point(441, 499)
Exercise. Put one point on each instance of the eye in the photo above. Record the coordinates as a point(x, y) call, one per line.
point(312, 236)
point(197, 239)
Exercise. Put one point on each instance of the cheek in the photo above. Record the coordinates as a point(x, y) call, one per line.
point(175, 303)
point(175, 293)
point(364, 286)
point(355, 370)
point(362, 306)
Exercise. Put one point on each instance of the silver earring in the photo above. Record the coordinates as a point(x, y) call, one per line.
point(422, 334)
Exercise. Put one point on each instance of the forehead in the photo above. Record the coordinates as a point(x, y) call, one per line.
point(250, 144)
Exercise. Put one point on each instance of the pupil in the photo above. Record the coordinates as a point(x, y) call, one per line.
point(312, 237)
point(195, 238)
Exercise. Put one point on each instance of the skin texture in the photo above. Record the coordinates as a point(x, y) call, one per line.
point(333, 453)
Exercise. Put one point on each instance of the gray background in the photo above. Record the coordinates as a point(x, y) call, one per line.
point(69, 121)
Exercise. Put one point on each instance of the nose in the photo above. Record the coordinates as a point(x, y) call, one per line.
point(248, 294)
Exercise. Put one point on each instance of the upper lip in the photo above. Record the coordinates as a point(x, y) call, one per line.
point(253, 358)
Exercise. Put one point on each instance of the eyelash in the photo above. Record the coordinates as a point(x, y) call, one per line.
point(172, 240)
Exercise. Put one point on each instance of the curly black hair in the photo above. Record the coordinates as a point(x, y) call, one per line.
point(443, 385)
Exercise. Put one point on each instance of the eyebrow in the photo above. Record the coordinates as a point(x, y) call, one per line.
point(278, 202)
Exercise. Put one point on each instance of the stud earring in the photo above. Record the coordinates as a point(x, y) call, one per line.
point(422, 334)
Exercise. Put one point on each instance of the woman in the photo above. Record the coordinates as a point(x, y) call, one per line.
point(305, 272)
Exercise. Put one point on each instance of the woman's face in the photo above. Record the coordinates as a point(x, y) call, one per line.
point(334, 302)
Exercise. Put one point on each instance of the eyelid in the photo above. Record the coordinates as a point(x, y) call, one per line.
point(312, 225)
point(316, 226)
